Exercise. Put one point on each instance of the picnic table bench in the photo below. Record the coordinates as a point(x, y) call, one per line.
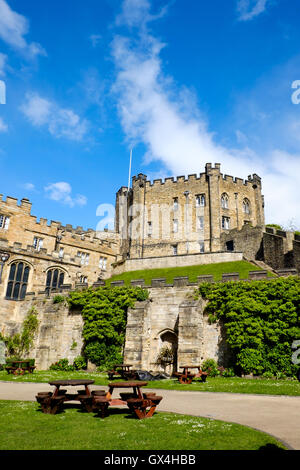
point(142, 405)
point(20, 367)
point(51, 403)
point(186, 377)
point(123, 371)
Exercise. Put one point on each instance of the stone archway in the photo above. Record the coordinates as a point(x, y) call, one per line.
point(168, 338)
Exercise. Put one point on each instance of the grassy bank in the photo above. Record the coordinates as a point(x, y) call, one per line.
point(216, 270)
point(259, 386)
point(73, 429)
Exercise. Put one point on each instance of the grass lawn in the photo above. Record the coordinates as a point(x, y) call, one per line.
point(217, 269)
point(213, 384)
point(24, 427)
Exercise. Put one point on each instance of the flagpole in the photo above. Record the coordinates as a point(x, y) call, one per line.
point(129, 175)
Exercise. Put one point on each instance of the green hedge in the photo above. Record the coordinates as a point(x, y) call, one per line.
point(261, 320)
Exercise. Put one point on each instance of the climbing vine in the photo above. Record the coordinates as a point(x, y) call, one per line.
point(262, 319)
point(104, 311)
point(19, 344)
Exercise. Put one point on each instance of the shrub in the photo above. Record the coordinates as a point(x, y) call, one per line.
point(19, 344)
point(267, 375)
point(62, 364)
point(211, 367)
point(57, 299)
point(79, 363)
point(229, 372)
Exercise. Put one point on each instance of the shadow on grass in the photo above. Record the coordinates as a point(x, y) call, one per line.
point(271, 447)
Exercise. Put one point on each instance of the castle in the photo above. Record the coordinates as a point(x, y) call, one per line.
point(176, 222)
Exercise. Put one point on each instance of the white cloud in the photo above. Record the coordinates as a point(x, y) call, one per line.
point(3, 126)
point(13, 29)
point(60, 122)
point(136, 13)
point(62, 192)
point(249, 9)
point(29, 186)
point(154, 112)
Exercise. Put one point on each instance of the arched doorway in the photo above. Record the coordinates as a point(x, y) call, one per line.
point(168, 345)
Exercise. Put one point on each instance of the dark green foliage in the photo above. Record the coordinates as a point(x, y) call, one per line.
point(261, 320)
point(79, 363)
point(57, 299)
point(104, 311)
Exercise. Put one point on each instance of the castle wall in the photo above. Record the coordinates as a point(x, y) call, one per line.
point(247, 240)
point(296, 251)
point(280, 249)
point(172, 312)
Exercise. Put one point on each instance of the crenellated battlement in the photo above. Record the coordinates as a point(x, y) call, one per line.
point(184, 280)
point(202, 177)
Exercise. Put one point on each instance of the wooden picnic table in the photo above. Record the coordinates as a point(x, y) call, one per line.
point(125, 372)
point(143, 405)
point(19, 367)
point(71, 383)
point(186, 377)
point(51, 403)
point(135, 385)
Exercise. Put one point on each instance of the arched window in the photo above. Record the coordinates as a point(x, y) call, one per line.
point(246, 206)
point(17, 281)
point(55, 278)
point(224, 201)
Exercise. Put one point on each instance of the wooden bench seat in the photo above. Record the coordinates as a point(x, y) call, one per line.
point(49, 404)
point(144, 407)
point(101, 405)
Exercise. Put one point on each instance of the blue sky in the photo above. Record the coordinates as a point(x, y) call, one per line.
point(182, 82)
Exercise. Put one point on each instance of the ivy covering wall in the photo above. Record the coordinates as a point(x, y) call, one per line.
point(262, 319)
point(104, 311)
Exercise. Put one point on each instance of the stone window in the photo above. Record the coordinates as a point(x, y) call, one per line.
point(224, 201)
point(175, 203)
point(102, 263)
point(83, 279)
point(200, 200)
point(200, 223)
point(175, 225)
point(55, 278)
point(38, 243)
point(61, 253)
point(246, 206)
point(175, 249)
point(17, 281)
point(149, 229)
point(85, 257)
point(226, 223)
point(4, 222)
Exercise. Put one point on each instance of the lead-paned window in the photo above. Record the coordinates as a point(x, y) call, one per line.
point(55, 278)
point(17, 281)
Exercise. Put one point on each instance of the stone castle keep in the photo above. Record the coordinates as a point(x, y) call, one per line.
point(185, 221)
